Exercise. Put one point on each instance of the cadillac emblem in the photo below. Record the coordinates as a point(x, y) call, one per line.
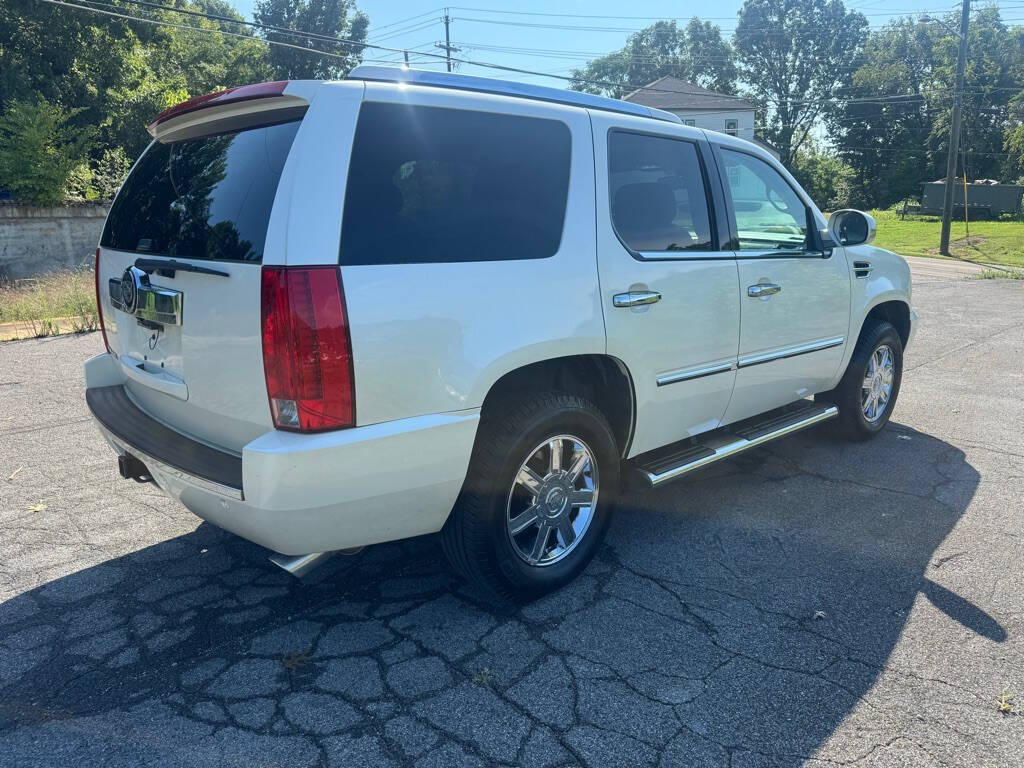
point(130, 284)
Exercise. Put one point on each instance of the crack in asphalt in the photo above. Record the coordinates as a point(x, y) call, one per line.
point(765, 613)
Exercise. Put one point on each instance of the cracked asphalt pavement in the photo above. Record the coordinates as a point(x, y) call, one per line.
point(811, 603)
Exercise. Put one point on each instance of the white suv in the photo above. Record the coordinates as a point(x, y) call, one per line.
point(341, 313)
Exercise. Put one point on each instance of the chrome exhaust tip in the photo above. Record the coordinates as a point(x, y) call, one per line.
point(300, 565)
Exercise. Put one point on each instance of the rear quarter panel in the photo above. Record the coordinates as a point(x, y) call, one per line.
point(431, 338)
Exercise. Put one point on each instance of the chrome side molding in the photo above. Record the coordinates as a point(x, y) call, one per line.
point(687, 374)
point(799, 349)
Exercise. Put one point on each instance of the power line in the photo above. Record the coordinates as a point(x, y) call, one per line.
point(380, 27)
point(893, 12)
point(866, 99)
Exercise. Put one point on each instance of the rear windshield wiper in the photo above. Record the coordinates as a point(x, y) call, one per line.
point(167, 268)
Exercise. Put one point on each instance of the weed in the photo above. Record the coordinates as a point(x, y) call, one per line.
point(53, 303)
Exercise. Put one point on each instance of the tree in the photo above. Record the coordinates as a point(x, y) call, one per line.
point(893, 126)
point(325, 18)
point(40, 152)
point(117, 73)
point(696, 53)
point(882, 128)
point(796, 55)
point(826, 178)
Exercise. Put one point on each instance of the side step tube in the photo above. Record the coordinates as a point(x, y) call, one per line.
point(737, 444)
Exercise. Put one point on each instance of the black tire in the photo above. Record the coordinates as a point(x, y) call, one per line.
point(476, 538)
point(852, 423)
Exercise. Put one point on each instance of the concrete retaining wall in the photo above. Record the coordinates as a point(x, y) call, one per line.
point(38, 240)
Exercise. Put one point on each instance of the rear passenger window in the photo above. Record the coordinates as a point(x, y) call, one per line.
point(427, 184)
point(658, 197)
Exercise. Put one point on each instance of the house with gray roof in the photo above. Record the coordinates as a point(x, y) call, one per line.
point(700, 107)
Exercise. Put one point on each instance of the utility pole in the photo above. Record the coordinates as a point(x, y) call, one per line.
point(447, 47)
point(954, 131)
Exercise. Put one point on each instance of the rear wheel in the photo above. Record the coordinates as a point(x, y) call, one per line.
point(538, 496)
point(869, 388)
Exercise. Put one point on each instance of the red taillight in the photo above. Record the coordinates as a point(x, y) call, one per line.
point(99, 303)
point(307, 357)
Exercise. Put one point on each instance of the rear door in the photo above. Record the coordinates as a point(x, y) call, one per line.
point(180, 262)
point(668, 288)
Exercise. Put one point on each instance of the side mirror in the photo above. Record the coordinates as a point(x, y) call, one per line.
point(850, 227)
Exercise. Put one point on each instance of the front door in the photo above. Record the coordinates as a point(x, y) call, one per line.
point(794, 297)
point(669, 291)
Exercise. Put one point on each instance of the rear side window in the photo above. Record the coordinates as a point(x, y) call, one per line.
point(658, 196)
point(203, 198)
point(427, 184)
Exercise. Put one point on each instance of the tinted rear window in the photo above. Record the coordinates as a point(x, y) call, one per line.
point(204, 198)
point(447, 185)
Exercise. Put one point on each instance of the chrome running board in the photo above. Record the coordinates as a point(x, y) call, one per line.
point(675, 461)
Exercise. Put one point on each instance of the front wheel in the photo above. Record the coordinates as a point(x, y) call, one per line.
point(538, 497)
point(868, 390)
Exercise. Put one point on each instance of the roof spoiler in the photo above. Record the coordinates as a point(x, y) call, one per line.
point(232, 109)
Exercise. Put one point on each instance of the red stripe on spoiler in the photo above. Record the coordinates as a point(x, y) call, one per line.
point(218, 98)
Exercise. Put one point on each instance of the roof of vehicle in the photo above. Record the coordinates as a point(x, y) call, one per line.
point(506, 88)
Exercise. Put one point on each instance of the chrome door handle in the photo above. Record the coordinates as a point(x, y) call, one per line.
point(635, 298)
point(763, 289)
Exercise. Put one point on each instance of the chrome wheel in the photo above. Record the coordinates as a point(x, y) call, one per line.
point(877, 385)
point(551, 503)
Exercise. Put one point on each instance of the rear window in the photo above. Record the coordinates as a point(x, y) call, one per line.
point(204, 198)
point(428, 184)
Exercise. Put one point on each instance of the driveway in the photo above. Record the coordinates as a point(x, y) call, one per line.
point(813, 602)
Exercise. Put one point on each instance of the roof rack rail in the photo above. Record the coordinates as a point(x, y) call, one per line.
point(505, 88)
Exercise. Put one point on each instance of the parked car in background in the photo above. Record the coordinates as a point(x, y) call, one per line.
point(342, 313)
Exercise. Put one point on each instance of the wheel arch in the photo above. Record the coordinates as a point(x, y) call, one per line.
point(602, 379)
point(891, 309)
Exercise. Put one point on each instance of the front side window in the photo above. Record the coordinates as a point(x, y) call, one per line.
point(769, 213)
point(658, 196)
point(428, 184)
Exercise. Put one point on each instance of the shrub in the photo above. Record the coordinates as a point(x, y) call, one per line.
point(40, 152)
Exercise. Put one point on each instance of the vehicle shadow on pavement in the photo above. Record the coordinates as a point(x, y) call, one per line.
point(739, 616)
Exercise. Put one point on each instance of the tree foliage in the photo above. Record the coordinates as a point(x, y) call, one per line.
point(825, 177)
point(323, 18)
point(111, 76)
point(893, 128)
point(696, 53)
point(795, 56)
point(41, 153)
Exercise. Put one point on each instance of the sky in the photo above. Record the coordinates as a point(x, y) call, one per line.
point(525, 34)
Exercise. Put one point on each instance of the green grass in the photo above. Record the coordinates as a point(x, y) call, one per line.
point(992, 242)
point(69, 295)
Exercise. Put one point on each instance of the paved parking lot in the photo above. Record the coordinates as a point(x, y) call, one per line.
point(815, 602)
